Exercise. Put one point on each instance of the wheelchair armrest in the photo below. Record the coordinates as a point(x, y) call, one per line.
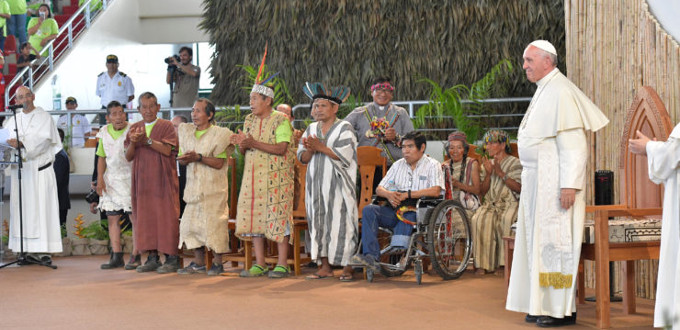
point(429, 201)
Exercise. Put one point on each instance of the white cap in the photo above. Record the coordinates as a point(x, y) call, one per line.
point(544, 45)
point(264, 90)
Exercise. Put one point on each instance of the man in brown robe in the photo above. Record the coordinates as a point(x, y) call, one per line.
point(152, 147)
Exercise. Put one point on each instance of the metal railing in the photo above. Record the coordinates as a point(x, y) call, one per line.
point(79, 22)
point(169, 113)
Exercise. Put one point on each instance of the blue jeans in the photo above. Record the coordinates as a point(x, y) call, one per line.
point(17, 26)
point(374, 216)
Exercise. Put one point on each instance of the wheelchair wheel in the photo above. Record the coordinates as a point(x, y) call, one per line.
point(449, 239)
point(390, 263)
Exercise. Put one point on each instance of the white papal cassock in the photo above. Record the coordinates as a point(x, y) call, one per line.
point(41, 141)
point(664, 167)
point(553, 152)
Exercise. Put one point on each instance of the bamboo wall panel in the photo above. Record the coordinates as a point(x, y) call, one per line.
point(613, 48)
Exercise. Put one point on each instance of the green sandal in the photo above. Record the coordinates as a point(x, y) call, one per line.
point(254, 271)
point(279, 272)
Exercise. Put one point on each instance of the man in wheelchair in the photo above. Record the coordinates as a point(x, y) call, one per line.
point(414, 176)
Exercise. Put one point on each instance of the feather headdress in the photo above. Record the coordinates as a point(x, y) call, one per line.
point(318, 90)
point(260, 87)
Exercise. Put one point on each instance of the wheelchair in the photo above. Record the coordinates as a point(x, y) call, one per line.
point(441, 233)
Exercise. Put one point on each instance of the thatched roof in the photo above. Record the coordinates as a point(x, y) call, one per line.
point(352, 42)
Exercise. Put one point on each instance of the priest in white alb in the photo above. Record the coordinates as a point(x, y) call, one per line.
point(663, 162)
point(39, 142)
point(553, 152)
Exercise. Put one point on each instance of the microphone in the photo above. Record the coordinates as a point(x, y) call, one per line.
point(15, 106)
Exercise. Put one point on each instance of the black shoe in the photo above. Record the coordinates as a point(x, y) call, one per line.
point(115, 261)
point(171, 265)
point(152, 263)
point(551, 322)
point(531, 318)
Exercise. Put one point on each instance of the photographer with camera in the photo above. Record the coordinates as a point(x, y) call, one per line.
point(183, 78)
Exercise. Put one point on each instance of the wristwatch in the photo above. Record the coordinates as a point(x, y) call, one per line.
point(200, 158)
point(149, 142)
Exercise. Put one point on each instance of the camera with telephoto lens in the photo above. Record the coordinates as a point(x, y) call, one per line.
point(168, 60)
point(92, 196)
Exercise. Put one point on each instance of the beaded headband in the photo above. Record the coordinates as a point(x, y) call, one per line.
point(385, 85)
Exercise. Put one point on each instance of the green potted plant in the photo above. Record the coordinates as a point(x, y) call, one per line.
point(98, 233)
point(445, 103)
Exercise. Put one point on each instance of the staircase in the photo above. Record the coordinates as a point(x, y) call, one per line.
point(73, 22)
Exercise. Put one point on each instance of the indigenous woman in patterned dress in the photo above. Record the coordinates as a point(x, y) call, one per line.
point(461, 174)
point(501, 185)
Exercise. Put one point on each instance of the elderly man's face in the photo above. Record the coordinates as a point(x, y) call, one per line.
point(259, 104)
point(24, 96)
point(382, 96)
point(176, 121)
point(117, 118)
point(536, 64)
point(148, 108)
point(286, 110)
point(199, 116)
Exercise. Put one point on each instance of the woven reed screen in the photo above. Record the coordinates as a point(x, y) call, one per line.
point(613, 48)
point(352, 42)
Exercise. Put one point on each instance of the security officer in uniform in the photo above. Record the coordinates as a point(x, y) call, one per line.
point(113, 85)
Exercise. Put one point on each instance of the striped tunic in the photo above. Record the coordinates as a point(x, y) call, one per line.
point(330, 199)
point(492, 220)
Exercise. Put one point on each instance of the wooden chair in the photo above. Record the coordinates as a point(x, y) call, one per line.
point(639, 198)
point(295, 256)
point(368, 159)
point(246, 257)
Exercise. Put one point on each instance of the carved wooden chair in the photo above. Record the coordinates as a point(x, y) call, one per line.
point(639, 198)
point(368, 159)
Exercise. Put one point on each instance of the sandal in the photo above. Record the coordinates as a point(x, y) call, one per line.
point(346, 278)
point(254, 271)
point(317, 276)
point(279, 272)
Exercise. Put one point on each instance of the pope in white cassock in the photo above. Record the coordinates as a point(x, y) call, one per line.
point(39, 141)
point(553, 152)
point(663, 160)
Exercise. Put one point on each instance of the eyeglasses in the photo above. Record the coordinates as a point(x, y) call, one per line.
point(383, 91)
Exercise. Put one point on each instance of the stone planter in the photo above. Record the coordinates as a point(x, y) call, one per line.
point(80, 246)
point(126, 242)
point(98, 247)
point(65, 248)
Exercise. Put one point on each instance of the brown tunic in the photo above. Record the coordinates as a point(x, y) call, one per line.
point(155, 191)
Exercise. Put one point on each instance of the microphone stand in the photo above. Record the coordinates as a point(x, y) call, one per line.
point(22, 259)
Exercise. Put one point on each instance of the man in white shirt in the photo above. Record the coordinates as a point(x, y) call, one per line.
point(411, 177)
point(113, 85)
point(80, 126)
point(554, 154)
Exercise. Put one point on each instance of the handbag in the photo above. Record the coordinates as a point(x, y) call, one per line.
point(469, 201)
